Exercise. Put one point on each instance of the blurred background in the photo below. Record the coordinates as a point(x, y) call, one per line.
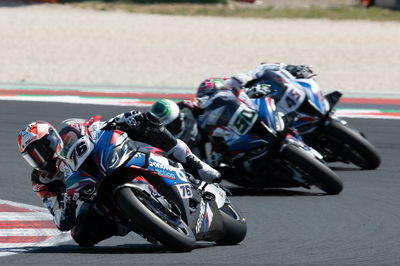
point(151, 44)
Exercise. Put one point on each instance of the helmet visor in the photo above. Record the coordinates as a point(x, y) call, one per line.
point(40, 153)
point(176, 126)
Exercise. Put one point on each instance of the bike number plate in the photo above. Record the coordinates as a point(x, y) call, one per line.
point(242, 120)
point(185, 190)
point(291, 100)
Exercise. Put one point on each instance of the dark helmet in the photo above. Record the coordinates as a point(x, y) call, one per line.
point(210, 86)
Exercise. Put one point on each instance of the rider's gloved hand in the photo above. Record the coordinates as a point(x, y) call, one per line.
point(68, 203)
point(300, 71)
point(214, 159)
point(258, 91)
point(124, 121)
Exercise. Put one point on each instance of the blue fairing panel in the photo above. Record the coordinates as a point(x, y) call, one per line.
point(139, 159)
point(246, 143)
point(314, 98)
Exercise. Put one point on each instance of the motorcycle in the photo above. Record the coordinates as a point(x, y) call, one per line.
point(259, 150)
point(313, 116)
point(139, 187)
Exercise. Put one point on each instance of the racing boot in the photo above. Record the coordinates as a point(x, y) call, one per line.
point(193, 164)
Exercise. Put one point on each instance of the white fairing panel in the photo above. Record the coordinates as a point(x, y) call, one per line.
point(219, 193)
point(292, 99)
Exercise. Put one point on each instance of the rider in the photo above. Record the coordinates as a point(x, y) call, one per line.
point(183, 124)
point(39, 143)
point(247, 80)
point(181, 118)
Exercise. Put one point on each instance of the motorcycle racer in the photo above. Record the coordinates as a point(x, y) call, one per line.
point(248, 79)
point(180, 118)
point(39, 144)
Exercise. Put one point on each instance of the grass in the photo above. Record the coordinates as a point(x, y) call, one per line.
point(233, 9)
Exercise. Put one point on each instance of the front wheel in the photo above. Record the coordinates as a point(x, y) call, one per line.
point(235, 227)
point(312, 169)
point(159, 224)
point(351, 146)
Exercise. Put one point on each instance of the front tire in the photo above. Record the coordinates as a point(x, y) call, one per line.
point(351, 146)
point(314, 170)
point(175, 235)
point(235, 227)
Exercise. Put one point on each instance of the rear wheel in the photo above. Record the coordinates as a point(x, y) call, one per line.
point(154, 221)
point(235, 227)
point(313, 170)
point(351, 146)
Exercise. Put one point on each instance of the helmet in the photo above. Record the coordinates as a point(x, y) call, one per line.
point(171, 116)
point(69, 135)
point(38, 143)
point(209, 86)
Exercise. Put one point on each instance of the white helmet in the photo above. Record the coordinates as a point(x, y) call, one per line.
point(170, 115)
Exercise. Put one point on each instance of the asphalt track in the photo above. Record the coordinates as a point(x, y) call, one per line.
point(285, 227)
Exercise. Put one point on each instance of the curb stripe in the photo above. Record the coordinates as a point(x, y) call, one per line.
point(153, 96)
point(26, 216)
point(9, 208)
point(29, 232)
point(27, 224)
point(99, 94)
point(23, 239)
point(383, 101)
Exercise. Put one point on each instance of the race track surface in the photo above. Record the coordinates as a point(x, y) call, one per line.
point(285, 227)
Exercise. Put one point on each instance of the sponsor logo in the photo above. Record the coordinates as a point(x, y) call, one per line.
point(162, 169)
point(201, 216)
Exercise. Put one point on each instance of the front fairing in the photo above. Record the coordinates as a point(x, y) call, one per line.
point(314, 94)
point(90, 160)
point(270, 118)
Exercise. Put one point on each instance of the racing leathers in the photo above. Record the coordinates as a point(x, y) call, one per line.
point(50, 188)
point(250, 78)
point(207, 112)
point(146, 127)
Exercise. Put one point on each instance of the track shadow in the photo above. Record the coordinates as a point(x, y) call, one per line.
point(117, 249)
point(345, 168)
point(240, 192)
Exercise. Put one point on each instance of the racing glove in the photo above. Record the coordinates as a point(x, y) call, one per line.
point(258, 91)
point(300, 71)
point(68, 203)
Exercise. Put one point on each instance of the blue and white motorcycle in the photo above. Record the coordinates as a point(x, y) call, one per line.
point(312, 114)
point(152, 195)
point(257, 149)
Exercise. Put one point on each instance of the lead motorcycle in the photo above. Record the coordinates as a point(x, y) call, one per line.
point(257, 149)
point(139, 187)
point(313, 116)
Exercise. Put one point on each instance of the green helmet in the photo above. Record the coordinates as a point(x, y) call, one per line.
point(166, 110)
point(171, 116)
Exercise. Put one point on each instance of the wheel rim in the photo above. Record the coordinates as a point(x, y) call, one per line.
point(174, 222)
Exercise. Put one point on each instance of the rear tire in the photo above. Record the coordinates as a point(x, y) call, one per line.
point(235, 227)
point(178, 238)
point(353, 147)
point(318, 173)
